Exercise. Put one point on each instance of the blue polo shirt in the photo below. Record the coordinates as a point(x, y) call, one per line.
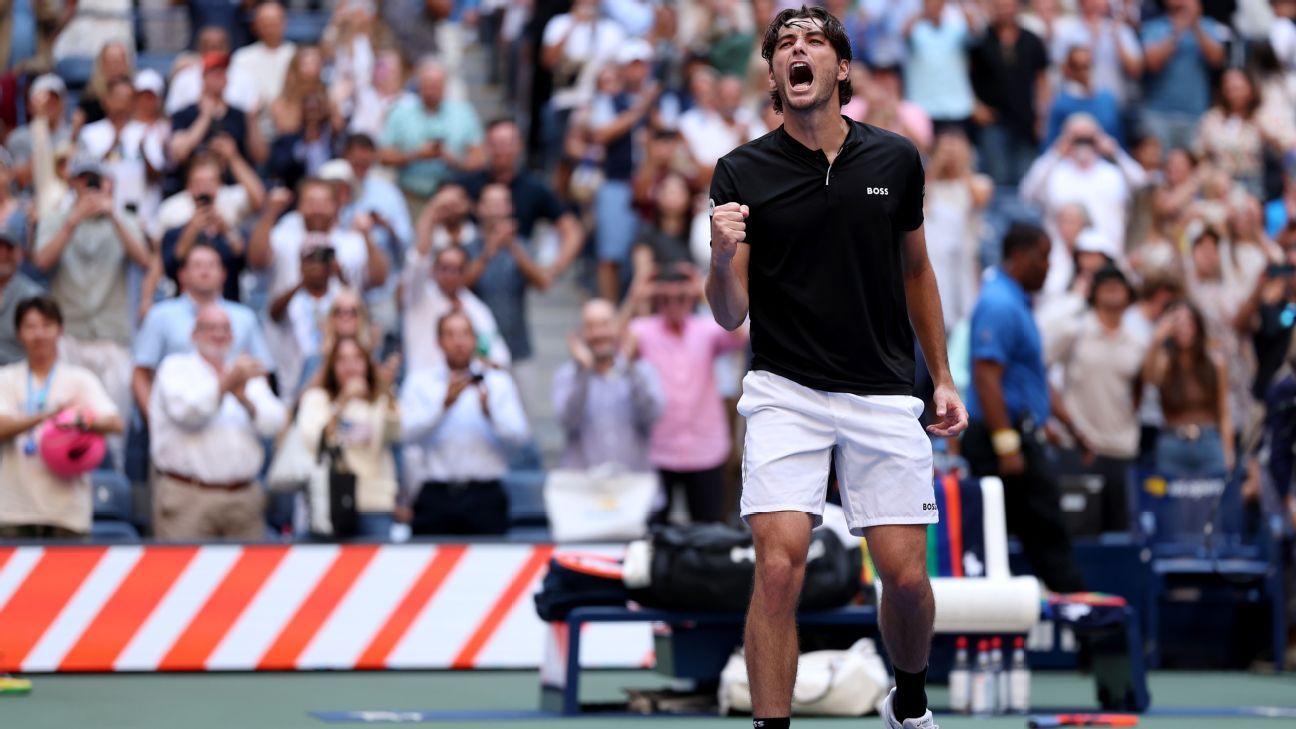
point(168, 329)
point(1004, 331)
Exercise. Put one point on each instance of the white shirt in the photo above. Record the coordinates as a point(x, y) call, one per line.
point(195, 431)
point(286, 241)
point(709, 137)
point(125, 156)
point(587, 42)
point(1104, 189)
point(459, 443)
point(424, 304)
point(186, 88)
point(232, 204)
point(1108, 74)
point(264, 66)
point(305, 317)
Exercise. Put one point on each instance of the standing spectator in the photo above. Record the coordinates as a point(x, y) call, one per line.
point(304, 78)
point(606, 397)
point(1159, 290)
point(132, 156)
point(375, 102)
point(1102, 362)
point(1197, 439)
point(1180, 49)
point(429, 138)
point(1086, 166)
point(718, 123)
point(663, 244)
point(571, 42)
point(27, 35)
point(1234, 133)
point(113, 61)
point(619, 111)
point(879, 102)
point(303, 153)
point(47, 97)
point(15, 288)
point(1078, 95)
point(209, 212)
point(533, 199)
point(207, 418)
point(354, 411)
point(35, 503)
point(156, 125)
point(195, 126)
point(435, 285)
point(1009, 76)
point(187, 83)
point(459, 419)
point(446, 221)
point(266, 61)
point(348, 40)
point(376, 194)
point(168, 327)
point(348, 318)
point(89, 249)
point(1066, 226)
point(955, 199)
point(936, 66)
point(416, 25)
point(691, 441)
point(300, 311)
point(1008, 405)
point(502, 270)
point(1114, 51)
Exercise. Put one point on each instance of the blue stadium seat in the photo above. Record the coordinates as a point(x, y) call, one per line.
point(160, 62)
point(305, 27)
point(113, 531)
point(525, 491)
point(75, 71)
point(112, 496)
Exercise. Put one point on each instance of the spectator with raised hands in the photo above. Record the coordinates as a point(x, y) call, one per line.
point(1115, 54)
point(434, 283)
point(936, 70)
point(1009, 67)
point(266, 61)
point(15, 287)
point(1181, 49)
point(1077, 94)
point(953, 204)
point(113, 61)
point(35, 503)
point(572, 44)
point(375, 194)
point(46, 106)
point(607, 398)
point(208, 414)
point(446, 221)
point(1235, 133)
point(195, 126)
point(374, 102)
point(304, 78)
point(135, 157)
point(457, 421)
point(187, 80)
point(297, 155)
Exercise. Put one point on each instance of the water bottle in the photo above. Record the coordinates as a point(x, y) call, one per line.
point(1019, 679)
point(982, 681)
point(959, 678)
point(1000, 676)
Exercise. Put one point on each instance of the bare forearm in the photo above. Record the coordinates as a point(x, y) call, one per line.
point(13, 425)
point(572, 239)
point(259, 254)
point(135, 248)
point(928, 320)
point(1158, 55)
point(990, 391)
point(247, 177)
point(726, 295)
point(48, 255)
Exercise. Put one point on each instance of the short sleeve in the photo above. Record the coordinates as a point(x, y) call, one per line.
point(992, 332)
point(909, 216)
point(555, 29)
point(1155, 32)
point(148, 343)
point(724, 188)
point(94, 397)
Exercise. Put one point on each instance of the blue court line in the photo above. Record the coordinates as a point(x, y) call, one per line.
point(399, 716)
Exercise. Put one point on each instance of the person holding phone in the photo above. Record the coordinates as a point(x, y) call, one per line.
point(458, 422)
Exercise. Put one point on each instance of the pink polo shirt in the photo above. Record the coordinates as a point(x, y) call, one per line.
point(693, 432)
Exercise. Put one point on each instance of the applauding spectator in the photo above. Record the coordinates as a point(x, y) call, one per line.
point(459, 419)
point(607, 399)
point(207, 417)
point(267, 60)
point(1180, 48)
point(47, 98)
point(1009, 75)
point(193, 127)
point(35, 503)
point(186, 85)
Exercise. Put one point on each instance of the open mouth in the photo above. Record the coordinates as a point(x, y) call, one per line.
point(800, 75)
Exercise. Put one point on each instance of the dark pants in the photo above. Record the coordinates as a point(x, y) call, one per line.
point(1031, 500)
point(37, 531)
point(475, 507)
point(704, 492)
point(1280, 424)
point(1115, 494)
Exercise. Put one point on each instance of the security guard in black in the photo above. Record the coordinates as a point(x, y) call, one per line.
point(825, 281)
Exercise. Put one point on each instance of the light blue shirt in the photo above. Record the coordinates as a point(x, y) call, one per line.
point(1183, 85)
point(168, 329)
point(936, 67)
point(410, 126)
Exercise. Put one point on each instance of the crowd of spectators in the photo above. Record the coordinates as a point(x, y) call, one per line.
point(328, 236)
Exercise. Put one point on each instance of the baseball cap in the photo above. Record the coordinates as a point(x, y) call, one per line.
point(1091, 241)
point(49, 82)
point(85, 165)
point(314, 242)
point(337, 170)
point(151, 81)
point(636, 49)
point(213, 60)
point(70, 452)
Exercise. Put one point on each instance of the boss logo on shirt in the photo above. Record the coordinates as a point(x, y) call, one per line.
point(876, 191)
point(929, 507)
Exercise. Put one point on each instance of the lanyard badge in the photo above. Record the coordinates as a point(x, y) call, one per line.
point(36, 401)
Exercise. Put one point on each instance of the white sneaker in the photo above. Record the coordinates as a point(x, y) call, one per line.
point(926, 721)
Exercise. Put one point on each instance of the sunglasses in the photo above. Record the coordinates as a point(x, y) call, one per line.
point(450, 269)
point(346, 311)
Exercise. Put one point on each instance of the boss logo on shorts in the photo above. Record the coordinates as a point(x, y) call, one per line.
point(929, 507)
point(876, 191)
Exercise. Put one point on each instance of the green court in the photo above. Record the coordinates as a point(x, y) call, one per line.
point(283, 701)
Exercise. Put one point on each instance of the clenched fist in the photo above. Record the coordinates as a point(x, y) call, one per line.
point(728, 229)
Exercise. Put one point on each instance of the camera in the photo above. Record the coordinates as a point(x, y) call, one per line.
point(203, 199)
point(93, 181)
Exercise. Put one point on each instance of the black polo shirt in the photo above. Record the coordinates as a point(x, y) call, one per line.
point(533, 200)
point(825, 277)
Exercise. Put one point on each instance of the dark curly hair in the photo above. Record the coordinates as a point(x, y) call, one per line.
point(835, 33)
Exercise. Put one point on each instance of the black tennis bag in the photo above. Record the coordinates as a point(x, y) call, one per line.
point(710, 567)
point(579, 580)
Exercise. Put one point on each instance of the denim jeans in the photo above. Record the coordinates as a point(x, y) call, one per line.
point(615, 221)
point(375, 525)
point(1180, 457)
point(1005, 154)
point(1172, 130)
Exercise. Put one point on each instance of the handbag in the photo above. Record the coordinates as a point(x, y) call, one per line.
point(332, 494)
point(828, 683)
point(601, 503)
point(292, 466)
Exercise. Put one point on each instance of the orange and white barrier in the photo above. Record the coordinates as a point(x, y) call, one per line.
point(279, 607)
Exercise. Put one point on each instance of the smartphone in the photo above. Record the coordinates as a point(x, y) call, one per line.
point(203, 199)
point(1282, 269)
point(478, 377)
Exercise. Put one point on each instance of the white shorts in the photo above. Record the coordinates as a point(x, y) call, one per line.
point(882, 452)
